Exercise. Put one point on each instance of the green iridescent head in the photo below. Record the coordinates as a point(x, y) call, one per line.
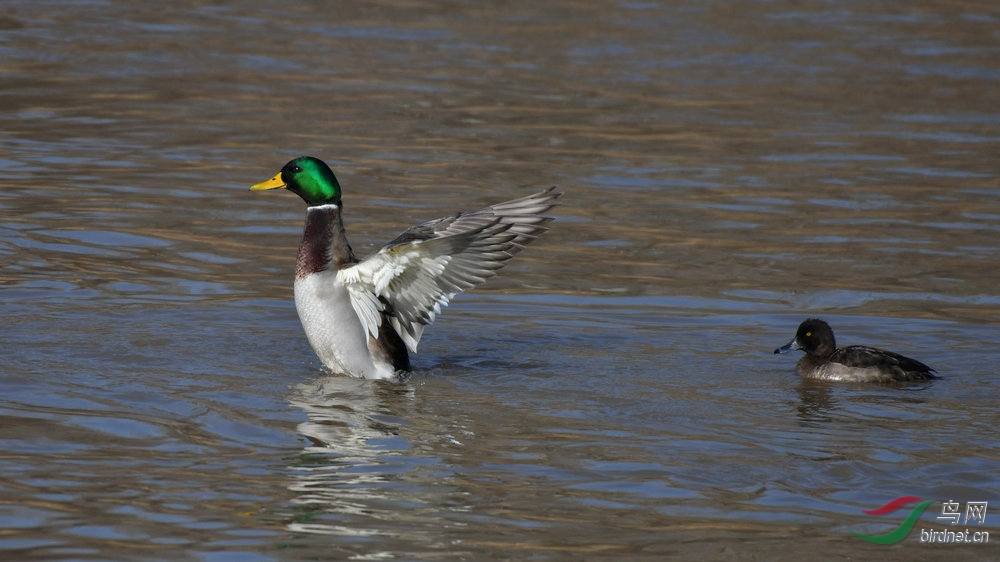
point(309, 178)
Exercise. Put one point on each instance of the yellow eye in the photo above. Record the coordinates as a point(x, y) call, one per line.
point(809, 334)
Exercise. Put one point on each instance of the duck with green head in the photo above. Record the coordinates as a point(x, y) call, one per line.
point(363, 317)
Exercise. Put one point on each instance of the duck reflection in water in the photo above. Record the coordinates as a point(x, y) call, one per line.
point(351, 457)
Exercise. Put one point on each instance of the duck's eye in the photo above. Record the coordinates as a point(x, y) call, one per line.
point(809, 334)
point(296, 169)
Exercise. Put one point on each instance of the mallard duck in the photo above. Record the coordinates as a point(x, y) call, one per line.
point(854, 363)
point(363, 317)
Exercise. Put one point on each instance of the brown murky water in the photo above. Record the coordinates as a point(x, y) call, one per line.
point(729, 169)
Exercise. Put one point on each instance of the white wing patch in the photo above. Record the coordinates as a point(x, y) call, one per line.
point(366, 305)
point(405, 278)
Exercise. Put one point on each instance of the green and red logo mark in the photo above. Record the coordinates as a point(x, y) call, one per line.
point(899, 533)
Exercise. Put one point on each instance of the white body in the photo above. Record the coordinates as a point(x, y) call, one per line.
point(333, 328)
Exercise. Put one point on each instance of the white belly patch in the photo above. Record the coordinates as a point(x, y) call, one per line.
point(332, 327)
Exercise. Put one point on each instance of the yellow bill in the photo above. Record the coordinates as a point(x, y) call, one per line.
point(273, 183)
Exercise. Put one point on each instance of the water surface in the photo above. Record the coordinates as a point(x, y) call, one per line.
point(729, 169)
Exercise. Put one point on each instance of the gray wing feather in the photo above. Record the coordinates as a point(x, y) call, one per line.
point(412, 277)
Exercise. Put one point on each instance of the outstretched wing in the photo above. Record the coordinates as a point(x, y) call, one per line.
point(412, 277)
